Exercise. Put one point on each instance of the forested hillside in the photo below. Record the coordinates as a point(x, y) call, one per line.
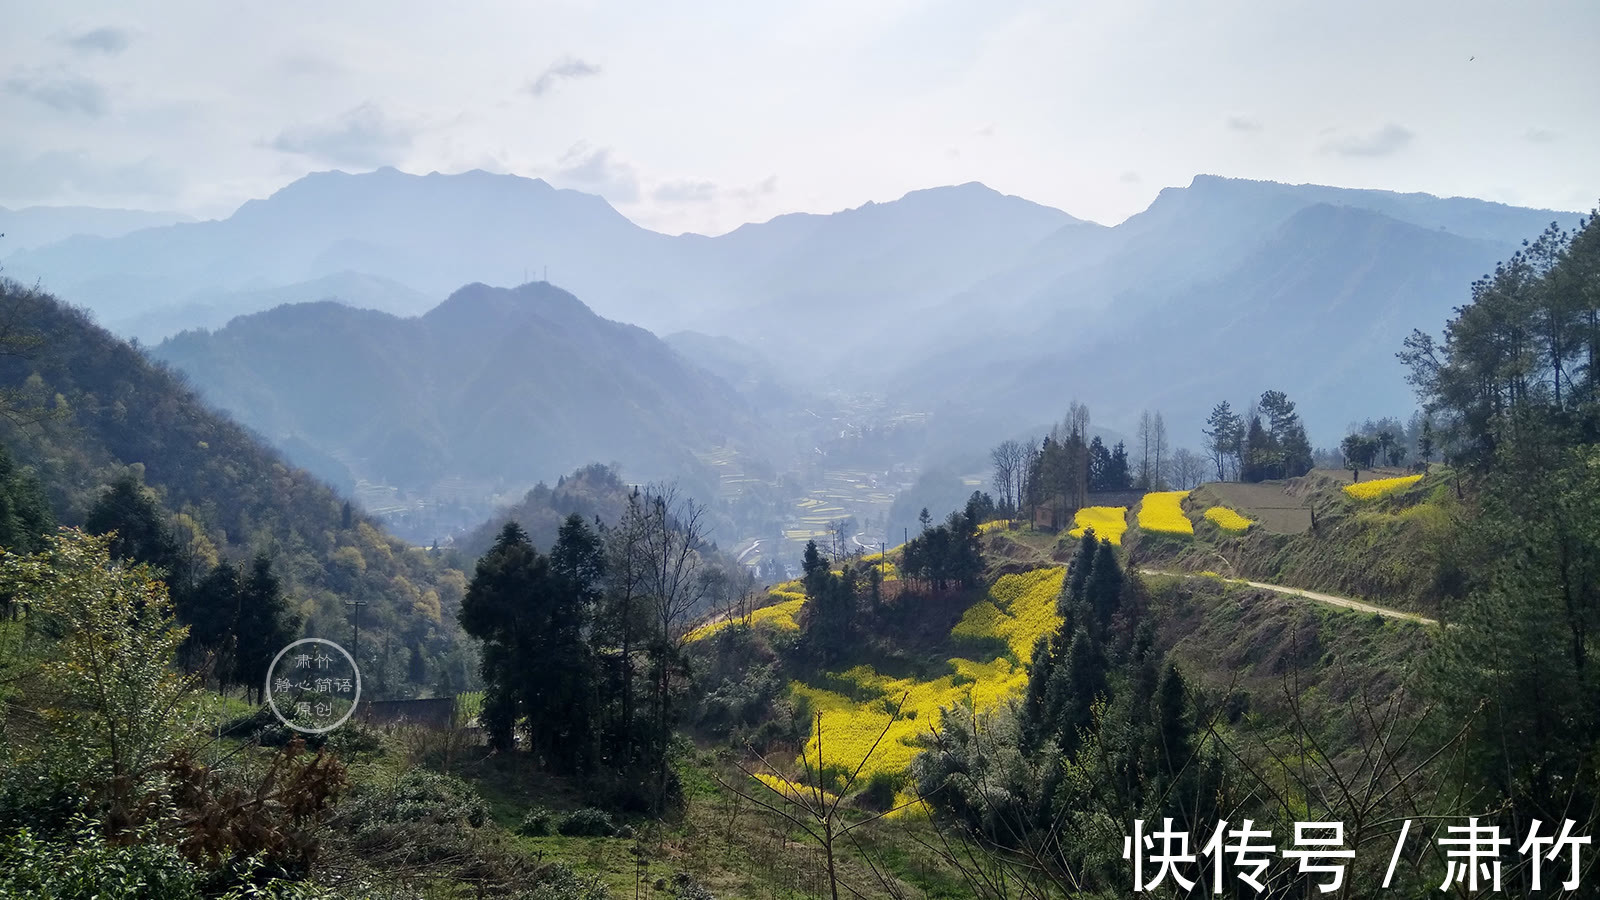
point(85, 410)
point(492, 391)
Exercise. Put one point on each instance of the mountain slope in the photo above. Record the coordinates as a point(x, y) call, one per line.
point(432, 233)
point(213, 309)
point(1317, 310)
point(232, 496)
point(500, 388)
point(36, 226)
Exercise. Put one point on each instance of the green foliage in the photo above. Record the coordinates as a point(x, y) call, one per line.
point(947, 555)
point(829, 620)
point(25, 516)
point(560, 882)
point(533, 614)
point(138, 529)
point(1276, 447)
point(538, 822)
point(90, 868)
point(106, 690)
point(586, 822)
point(220, 494)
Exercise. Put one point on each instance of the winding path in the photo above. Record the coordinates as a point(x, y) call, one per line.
point(1329, 599)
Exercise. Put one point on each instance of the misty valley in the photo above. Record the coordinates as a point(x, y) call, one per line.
point(554, 452)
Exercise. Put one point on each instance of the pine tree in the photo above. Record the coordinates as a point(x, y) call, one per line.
point(1224, 433)
point(265, 625)
point(25, 518)
point(141, 530)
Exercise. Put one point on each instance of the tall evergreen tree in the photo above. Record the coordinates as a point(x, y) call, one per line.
point(25, 517)
point(1224, 436)
point(265, 625)
point(142, 534)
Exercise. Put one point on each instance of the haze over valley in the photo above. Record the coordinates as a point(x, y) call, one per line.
point(835, 358)
point(918, 450)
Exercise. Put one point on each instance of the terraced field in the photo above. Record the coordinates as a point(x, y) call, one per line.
point(857, 704)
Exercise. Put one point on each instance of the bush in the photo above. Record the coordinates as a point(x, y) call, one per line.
point(881, 789)
point(588, 822)
point(539, 822)
point(685, 887)
point(419, 808)
point(88, 868)
point(42, 799)
point(559, 882)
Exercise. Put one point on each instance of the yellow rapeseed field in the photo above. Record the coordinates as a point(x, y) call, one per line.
point(1228, 520)
point(993, 525)
point(1371, 490)
point(1161, 511)
point(1020, 609)
point(780, 615)
point(1108, 522)
point(796, 793)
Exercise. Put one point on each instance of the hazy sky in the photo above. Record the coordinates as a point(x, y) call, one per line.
point(700, 116)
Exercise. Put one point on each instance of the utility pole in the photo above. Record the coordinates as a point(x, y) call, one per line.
point(355, 641)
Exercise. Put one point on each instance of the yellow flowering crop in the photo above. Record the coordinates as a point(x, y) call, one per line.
point(1162, 511)
point(993, 525)
point(779, 615)
point(795, 793)
point(1108, 522)
point(907, 806)
point(1020, 610)
point(1371, 490)
point(1228, 520)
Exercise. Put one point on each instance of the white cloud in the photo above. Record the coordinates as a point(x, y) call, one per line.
point(362, 136)
point(1385, 141)
point(564, 69)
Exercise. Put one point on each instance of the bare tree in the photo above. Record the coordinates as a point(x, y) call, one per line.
point(1146, 438)
point(1159, 439)
point(840, 532)
point(1188, 468)
point(672, 535)
point(1010, 460)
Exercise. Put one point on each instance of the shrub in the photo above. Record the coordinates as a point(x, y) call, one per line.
point(881, 789)
point(685, 887)
point(41, 797)
point(560, 882)
point(88, 867)
point(539, 822)
point(587, 822)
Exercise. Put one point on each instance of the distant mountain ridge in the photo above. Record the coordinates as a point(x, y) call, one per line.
point(435, 232)
point(499, 387)
point(904, 297)
point(38, 226)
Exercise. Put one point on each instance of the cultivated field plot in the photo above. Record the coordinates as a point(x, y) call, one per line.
point(1267, 504)
point(1018, 611)
point(844, 494)
point(730, 474)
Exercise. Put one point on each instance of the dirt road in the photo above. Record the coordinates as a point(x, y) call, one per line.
point(1329, 599)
